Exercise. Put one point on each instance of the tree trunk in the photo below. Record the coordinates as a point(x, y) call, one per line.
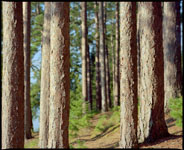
point(108, 91)
point(98, 86)
point(59, 76)
point(45, 80)
point(172, 51)
point(128, 76)
point(152, 122)
point(89, 80)
point(116, 71)
point(102, 58)
point(13, 77)
point(27, 104)
point(138, 52)
point(84, 53)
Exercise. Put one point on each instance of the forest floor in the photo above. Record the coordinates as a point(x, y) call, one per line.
point(110, 137)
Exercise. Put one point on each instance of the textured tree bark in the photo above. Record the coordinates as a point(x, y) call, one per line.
point(116, 69)
point(13, 77)
point(138, 52)
point(59, 76)
point(152, 122)
point(84, 53)
point(27, 104)
point(172, 51)
point(108, 91)
point(128, 76)
point(102, 58)
point(98, 86)
point(45, 80)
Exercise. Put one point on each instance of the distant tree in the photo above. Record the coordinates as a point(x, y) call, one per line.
point(89, 86)
point(172, 51)
point(128, 76)
point(59, 76)
point(152, 121)
point(84, 47)
point(102, 58)
point(27, 62)
point(109, 103)
point(98, 86)
point(13, 77)
point(45, 81)
point(116, 85)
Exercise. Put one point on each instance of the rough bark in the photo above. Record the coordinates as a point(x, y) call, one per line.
point(102, 58)
point(128, 76)
point(116, 68)
point(13, 77)
point(59, 76)
point(45, 80)
point(138, 52)
point(107, 75)
point(27, 103)
point(172, 51)
point(98, 86)
point(152, 122)
point(84, 53)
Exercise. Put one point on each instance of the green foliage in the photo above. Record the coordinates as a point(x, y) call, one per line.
point(80, 144)
point(176, 109)
point(32, 144)
point(105, 122)
point(77, 119)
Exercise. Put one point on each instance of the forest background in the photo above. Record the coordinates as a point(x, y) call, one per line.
point(37, 14)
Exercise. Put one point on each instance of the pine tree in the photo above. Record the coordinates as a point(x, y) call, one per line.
point(13, 77)
point(59, 76)
point(152, 122)
point(102, 58)
point(116, 85)
point(27, 28)
point(84, 53)
point(45, 81)
point(107, 75)
point(172, 51)
point(128, 75)
point(98, 86)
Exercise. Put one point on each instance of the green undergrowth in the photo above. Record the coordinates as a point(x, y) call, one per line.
point(77, 119)
point(175, 106)
point(32, 143)
point(105, 122)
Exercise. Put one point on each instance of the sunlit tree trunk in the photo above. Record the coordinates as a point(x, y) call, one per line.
point(84, 53)
point(102, 58)
point(59, 76)
point(152, 122)
point(128, 76)
point(13, 77)
point(172, 51)
point(45, 80)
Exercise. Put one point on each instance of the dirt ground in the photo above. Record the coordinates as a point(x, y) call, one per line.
point(110, 138)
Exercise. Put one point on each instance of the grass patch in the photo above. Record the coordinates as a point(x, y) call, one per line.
point(32, 143)
point(175, 106)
